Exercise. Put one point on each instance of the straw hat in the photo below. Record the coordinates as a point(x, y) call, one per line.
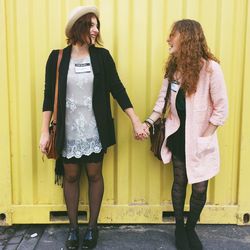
point(78, 12)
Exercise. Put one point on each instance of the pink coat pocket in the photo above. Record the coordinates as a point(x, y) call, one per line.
point(206, 145)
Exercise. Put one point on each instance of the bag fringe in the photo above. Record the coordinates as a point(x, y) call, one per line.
point(59, 172)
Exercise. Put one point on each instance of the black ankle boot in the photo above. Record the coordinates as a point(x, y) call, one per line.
point(193, 239)
point(90, 238)
point(181, 240)
point(72, 241)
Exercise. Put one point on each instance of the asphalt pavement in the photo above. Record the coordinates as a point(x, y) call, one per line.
point(123, 237)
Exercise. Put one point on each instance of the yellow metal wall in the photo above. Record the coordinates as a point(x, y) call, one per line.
point(137, 186)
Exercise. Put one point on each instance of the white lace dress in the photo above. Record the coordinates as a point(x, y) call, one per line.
point(81, 134)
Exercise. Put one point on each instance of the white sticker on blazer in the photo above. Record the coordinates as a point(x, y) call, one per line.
point(82, 68)
point(174, 87)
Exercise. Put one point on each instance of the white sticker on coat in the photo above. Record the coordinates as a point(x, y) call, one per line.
point(174, 87)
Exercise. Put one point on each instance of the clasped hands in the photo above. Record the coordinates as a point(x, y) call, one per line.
point(141, 130)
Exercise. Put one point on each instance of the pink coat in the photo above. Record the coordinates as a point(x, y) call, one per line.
point(208, 104)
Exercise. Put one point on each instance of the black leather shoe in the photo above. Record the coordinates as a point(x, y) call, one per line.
point(194, 241)
point(181, 239)
point(90, 238)
point(72, 241)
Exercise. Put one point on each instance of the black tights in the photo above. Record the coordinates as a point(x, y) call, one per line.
point(198, 196)
point(71, 188)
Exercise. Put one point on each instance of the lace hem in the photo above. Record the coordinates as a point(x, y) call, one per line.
point(78, 148)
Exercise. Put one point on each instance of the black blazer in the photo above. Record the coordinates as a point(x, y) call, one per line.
point(106, 81)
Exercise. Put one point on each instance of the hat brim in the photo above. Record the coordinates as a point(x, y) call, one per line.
point(79, 12)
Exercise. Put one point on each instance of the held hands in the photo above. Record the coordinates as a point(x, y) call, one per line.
point(141, 130)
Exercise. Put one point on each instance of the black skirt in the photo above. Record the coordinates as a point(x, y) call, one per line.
point(176, 141)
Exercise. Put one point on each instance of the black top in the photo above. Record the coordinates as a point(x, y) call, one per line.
point(106, 81)
point(176, 141)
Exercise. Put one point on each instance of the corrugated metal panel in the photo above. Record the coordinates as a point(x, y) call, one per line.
point(137, 186)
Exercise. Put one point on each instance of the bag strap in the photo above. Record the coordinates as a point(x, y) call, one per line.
point(166, 101)
point(56, 86)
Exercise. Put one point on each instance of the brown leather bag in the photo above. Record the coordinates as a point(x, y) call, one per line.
point(157, 130)
point(51, 147)
point(157, 136)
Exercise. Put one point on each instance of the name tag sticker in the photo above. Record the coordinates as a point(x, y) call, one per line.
point(82, 68)
point(174, 87)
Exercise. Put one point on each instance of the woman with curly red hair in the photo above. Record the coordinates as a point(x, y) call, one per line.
point(195, 92)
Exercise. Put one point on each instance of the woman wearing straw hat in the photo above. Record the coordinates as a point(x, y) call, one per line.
point(85, 129)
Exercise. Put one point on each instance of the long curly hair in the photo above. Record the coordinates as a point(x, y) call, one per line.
point(189, 59)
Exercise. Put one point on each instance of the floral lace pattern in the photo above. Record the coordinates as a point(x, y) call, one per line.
point(77, 148)
point(71, 103)
point(81, 133)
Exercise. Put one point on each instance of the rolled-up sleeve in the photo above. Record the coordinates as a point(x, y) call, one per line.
point(159, 105)
point(218, 95)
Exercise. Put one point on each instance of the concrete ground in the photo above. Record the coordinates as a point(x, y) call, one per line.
point(123, 237)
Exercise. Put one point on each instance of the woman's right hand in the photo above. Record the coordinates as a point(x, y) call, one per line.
point(140, 132)
point(44, 140)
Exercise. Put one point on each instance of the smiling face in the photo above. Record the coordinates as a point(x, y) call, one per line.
point(86, 30)
point(94, 31)
point(174, 42)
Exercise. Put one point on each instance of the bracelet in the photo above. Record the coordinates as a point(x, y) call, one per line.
point(150, 121)
point(148, 124)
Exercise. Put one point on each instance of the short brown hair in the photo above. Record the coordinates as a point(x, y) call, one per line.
point(79, 33)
